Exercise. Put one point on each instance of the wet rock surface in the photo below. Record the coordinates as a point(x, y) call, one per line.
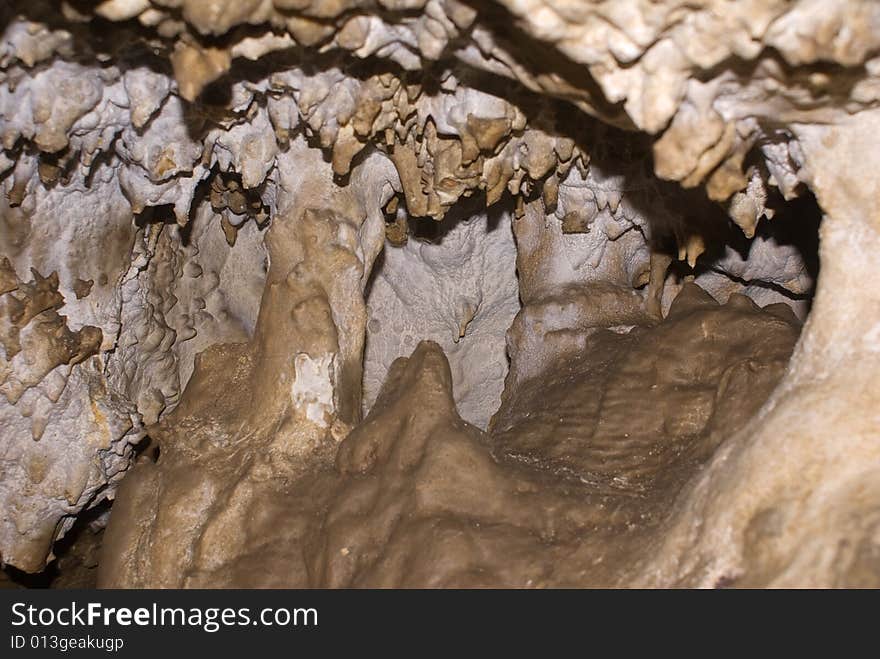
point(580, 467)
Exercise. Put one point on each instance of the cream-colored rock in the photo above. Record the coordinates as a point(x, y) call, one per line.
point(458, 289)
point(211, 184)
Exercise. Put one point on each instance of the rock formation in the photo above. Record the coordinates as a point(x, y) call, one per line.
point(440, 293)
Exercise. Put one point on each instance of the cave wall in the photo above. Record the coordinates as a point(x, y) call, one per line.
point(458, 289)
point(196, 195)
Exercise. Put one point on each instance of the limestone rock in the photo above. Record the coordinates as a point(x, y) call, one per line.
point(228, 228)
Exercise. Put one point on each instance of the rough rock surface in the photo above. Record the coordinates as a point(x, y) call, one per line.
point(565, 491)
point(215, 239)
point(457, 288)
